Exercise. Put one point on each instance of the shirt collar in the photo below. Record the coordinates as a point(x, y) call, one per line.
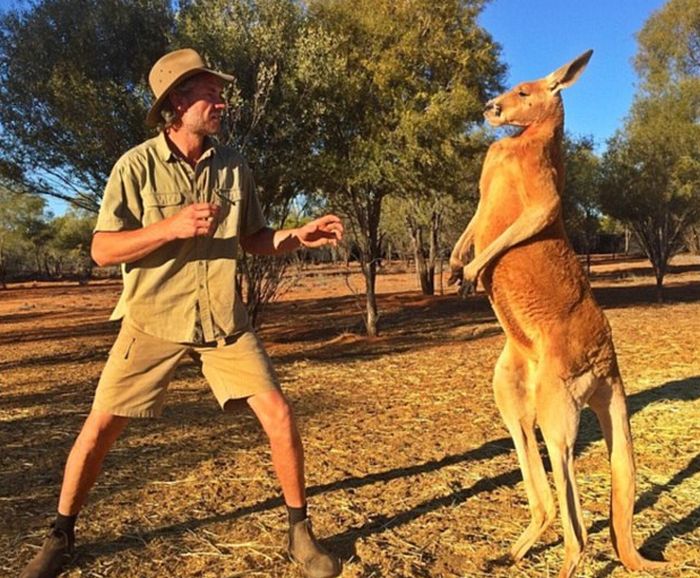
point(167, 155)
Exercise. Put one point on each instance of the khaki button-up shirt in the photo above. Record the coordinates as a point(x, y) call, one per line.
point(184, 291)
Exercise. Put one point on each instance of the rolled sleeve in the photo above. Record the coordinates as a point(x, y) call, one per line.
point(252, 219)
point(121, 205)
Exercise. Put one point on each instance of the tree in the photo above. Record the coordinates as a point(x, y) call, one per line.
point(669, 47)
point(424, 227)
point(406, 89)
point(20, 215)
point(277, 57)
point(72, 237)
point(581, 198)
point(669, 55)
point(74, 93)
point(652, 167)
point(651, 176)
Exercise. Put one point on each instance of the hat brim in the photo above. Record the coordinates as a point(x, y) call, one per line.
point(153, 116)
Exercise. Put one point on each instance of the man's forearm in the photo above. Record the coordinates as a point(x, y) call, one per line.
point(268, 241)
point(114, 248)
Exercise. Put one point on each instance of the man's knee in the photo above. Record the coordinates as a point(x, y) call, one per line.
point(274, 412)
point(100, 430)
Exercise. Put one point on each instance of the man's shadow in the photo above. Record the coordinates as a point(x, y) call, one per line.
point(345, 542)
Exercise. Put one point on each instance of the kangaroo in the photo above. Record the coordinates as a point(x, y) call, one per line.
point(559, 352)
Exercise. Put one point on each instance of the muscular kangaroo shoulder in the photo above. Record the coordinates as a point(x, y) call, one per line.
point(503, 150)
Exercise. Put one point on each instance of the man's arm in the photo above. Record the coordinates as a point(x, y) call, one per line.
point(266, 241)
point(116, 247)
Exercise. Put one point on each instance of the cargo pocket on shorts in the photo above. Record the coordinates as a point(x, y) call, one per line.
point(123, 346)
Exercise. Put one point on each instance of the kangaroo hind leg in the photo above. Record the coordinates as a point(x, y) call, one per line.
point(558, 415)
point(517, 408)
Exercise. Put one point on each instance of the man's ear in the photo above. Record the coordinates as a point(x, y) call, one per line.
point(565, 76)
point(178, 102)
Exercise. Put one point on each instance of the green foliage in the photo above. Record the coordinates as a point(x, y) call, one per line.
point(651, 171)
point(654, 164)
point(581, 198)
point(345, 102)
point(35, 244)
point(73, 87)
point(22, 221)
point(410, 85)
point(651, 174)
point(669, 46)
point(398, 110)
point(277, 57)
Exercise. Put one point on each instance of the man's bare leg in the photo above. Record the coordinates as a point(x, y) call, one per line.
point(84, 463)
point(277, 419)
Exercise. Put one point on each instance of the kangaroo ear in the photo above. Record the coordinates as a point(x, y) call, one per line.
point(565, 76)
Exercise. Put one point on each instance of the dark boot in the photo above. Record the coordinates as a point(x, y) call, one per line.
point(54, 554)
point(316, 562)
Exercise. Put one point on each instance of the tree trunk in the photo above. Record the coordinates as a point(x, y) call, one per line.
point(423, 271)
point(364, 220)
point(659, 288)
point(369, 271)
point(372, 311)
point(434, 248)
point(3, 268)
point(588, 260)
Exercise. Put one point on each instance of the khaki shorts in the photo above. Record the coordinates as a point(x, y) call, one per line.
point(135, 379)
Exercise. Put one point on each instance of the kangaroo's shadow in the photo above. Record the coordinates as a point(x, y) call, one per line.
point(654, 546)
point(344, 543)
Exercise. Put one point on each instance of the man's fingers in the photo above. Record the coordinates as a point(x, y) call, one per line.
point(331, 226)
point(204, 211)
point(205, 226)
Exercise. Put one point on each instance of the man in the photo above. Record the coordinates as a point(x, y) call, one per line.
point(176, 211)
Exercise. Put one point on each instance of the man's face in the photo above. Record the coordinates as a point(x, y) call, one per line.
point(202, 106)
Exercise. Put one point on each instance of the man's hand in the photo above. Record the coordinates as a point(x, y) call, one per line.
point(324, 230)
point(200, 219)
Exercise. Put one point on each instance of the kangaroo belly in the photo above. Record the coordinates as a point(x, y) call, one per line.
point(543, 300)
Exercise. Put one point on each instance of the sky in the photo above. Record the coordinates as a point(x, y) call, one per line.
point(538, 36)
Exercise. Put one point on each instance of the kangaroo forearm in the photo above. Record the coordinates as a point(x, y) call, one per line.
point(529, 224)
point(462, 246)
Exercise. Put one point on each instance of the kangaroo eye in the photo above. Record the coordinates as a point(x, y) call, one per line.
point(522, 93)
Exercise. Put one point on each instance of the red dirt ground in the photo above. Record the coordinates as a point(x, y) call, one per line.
point(411, 472)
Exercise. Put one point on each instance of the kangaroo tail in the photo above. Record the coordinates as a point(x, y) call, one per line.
point(610, 405)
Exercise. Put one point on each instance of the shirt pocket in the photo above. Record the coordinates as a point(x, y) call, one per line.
point(230, 200)
point(159, 206)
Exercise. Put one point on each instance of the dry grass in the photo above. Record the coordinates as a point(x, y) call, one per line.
point(411, 472)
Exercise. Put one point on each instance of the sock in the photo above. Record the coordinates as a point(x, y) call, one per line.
point(66, 524)
point(296, 514)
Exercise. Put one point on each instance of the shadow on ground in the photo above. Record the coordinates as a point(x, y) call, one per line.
point(344, 543)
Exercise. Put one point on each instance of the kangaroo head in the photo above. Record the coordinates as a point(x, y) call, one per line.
point(532, 102)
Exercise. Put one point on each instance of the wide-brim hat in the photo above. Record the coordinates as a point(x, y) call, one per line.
point(172, 69)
